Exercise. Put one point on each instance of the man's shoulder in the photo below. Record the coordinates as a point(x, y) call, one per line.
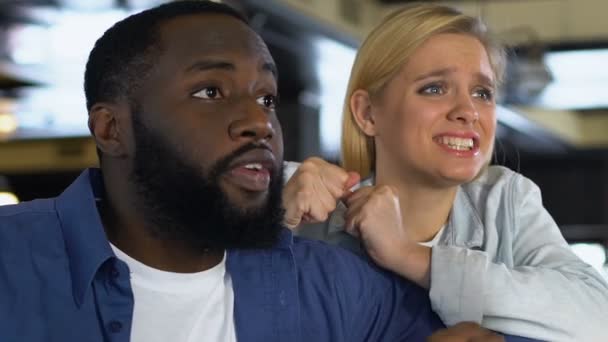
point(318, 257)
point(305, 249)
point(378, 305)
point(27, 211)
point(27, 222)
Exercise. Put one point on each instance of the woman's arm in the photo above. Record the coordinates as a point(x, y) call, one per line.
point(548, 294)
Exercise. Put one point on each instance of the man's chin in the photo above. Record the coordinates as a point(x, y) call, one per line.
point(243, 199)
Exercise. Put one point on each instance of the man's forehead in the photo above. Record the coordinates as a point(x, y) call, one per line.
point(212, 34)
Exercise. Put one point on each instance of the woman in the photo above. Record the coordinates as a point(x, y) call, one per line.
point(419, 125)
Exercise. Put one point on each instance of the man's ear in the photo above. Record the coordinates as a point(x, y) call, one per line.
point(361, 107)
point(104, 124)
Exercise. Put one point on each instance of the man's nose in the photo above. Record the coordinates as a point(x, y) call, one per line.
point(254, 124)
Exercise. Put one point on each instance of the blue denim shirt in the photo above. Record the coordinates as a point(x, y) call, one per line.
point(60, 282)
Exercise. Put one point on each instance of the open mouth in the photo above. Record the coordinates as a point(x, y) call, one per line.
point(253, 171)
point(458, 144)
point(251, 177)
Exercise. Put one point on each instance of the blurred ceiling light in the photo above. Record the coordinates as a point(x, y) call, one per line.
point(592, 253)
point(89, 5)
point(8, 198)
point(141, 4)
point(334, 61)
point(8, 121)
point(580, 79)
point(28, 43)
point(8, 124)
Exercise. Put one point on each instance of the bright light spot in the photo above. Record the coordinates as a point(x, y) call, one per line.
point(335, 61)
point(8, 123)
point(580, 79)
point(29, 44)
point(583, 65)
point(8, 198)
point(60, 49)
point(592, 253)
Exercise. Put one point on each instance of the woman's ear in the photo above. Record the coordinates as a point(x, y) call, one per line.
point(361, 107)
point(105, 128)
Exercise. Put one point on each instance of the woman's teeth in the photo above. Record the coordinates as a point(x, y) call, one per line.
point(460, 144)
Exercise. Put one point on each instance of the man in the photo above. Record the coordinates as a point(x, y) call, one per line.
point(178, 236)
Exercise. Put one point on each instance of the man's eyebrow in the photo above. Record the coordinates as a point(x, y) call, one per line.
point(204, 65)
point(268, 66)
point(210, 64)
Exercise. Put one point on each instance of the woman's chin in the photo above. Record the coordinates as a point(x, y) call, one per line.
point(460, 175)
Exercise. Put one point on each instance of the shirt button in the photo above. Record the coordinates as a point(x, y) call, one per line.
point(115, 327)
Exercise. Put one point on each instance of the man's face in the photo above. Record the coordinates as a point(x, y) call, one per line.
point(208, 146)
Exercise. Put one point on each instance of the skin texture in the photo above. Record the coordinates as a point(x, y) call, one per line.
point(211, 92)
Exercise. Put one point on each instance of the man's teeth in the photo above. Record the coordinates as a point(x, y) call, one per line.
point(254, 166)
point(460, 144)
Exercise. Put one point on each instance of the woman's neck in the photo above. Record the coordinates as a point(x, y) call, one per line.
point(425, 209)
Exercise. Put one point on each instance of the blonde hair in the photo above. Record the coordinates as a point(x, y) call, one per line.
point(385, 50)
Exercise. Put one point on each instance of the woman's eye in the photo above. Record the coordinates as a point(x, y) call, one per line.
point(433, 89)
point(484, 94)
point(209, 93)
point(268, 101)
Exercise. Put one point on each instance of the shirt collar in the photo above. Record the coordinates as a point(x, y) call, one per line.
point(465, 216)
point(85, 239)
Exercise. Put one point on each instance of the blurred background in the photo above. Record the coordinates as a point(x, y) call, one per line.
point(553, 114)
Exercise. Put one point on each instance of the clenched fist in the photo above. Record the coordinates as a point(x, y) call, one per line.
point(374, 216)
point(311, 194)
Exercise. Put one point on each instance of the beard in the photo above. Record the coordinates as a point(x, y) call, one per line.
point(184, 203)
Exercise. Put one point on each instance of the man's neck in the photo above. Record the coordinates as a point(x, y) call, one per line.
point(128, 231)
point(166, 255)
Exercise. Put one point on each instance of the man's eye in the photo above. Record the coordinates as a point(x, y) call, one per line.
point(432, 89)
point(211, 93)
point(268, 101)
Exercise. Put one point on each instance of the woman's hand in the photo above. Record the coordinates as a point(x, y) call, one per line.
point(465, 332)
point(374, 215)
point(311, 194)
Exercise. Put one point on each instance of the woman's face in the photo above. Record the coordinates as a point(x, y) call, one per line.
point(436, 120)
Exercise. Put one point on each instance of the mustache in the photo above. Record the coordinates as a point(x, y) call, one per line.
point(223, 164)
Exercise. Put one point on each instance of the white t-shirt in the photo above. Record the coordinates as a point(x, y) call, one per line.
point(434, 240)
point(180, 307)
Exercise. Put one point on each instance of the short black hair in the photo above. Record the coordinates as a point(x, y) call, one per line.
point(126, 52)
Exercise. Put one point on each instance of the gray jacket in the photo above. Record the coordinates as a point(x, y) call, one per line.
point(502, 262)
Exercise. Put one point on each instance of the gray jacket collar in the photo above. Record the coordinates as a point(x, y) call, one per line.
point(463, 214)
